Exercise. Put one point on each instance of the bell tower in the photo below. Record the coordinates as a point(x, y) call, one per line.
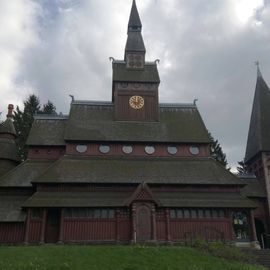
point(135, 81)
point(257, 158)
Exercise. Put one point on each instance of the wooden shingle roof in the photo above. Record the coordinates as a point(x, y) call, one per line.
point(118, 199)
point(23, 174)
point(177, 123)
point(153, 170)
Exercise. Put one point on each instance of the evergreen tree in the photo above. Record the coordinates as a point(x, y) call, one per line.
point(23, 120)
point(242, 168)
point(49, 108)
point(216, 152)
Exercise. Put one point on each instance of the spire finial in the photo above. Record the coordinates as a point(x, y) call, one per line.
point(259, 74)
point(134, 23)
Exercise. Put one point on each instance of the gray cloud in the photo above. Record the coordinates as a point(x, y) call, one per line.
point(207, 50)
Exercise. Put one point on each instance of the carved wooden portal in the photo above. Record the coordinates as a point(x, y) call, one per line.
point(144, 228)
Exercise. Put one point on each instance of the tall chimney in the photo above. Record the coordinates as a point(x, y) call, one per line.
point(10, 111)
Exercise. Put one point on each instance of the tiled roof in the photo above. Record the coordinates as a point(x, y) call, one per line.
point(253, 187)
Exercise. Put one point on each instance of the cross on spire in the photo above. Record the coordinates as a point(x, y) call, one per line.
point(259, 74)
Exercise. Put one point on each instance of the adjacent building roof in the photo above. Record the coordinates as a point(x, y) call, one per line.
point(114, 199)
point(47, 131)
point(154, 170)
point(253, 187)
point(10, 208)
point(24, 174)
point(7, 127)
point(259, 128)
point(149, 74)
point(88, 122)
point(8, 149)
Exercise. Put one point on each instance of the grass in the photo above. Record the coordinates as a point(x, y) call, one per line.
point(112, 258)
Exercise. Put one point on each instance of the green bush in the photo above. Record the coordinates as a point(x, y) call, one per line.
point(222, 250)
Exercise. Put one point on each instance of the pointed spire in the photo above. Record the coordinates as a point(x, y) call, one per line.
point(259, 128)
point(259, 74)
point(135, 42)
point(134, 23)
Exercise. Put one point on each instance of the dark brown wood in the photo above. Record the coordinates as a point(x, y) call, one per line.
point(26, 236)
point(43, 227)
point(154, 228)
point(61, 226)
point(138, 150)
point(168, 231)
point(133, 224)
point(52, 226)
point(253, 227)
point(124, 112)
point(144, 228)
point(89, 230)
point(117, 225)
point(12, 232)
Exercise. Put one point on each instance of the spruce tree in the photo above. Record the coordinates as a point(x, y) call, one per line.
point(216, 151)
point(23, 120)
point(242, 168)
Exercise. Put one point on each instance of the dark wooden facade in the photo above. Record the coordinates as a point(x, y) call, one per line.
point(124, 173)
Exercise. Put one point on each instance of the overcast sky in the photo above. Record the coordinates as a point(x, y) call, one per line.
point(207, 49)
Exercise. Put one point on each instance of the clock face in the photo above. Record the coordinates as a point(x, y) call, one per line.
point(136, 102)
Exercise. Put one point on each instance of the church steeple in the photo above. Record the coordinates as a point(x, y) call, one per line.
point(134, 23)
point(135, 49)
point(135, 81)
point(259, 129)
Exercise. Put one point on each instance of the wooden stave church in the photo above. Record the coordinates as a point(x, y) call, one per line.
point(131, 170)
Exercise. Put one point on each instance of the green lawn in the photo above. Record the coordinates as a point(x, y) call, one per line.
point(111, 257)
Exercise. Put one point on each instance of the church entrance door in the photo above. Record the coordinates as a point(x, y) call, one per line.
point(144, 228)
point(52, 226)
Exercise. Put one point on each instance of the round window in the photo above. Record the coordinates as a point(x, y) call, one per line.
point(194, 150)
point(104, 149)
point(172, 149)
point(150, 150)
point(81, 148)
point(127, 149)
